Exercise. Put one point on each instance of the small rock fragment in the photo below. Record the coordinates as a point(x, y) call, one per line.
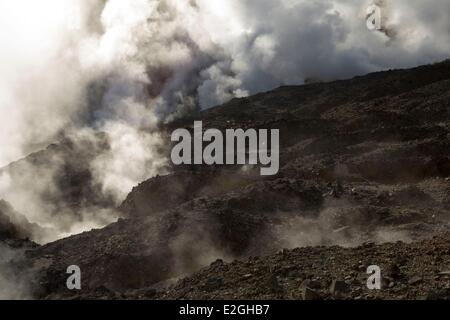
point(415, 280)
point(309, 294)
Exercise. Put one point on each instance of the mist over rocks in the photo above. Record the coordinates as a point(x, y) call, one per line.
point(123, 69)
point(340, 183)
point(92, 90)
point(15, 234)
point(56, 189)
point(15, 226)
point(305, 274)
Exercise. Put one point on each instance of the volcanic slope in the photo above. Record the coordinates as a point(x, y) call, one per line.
point(362, 160)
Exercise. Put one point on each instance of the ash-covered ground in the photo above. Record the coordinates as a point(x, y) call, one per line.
point(364, 180)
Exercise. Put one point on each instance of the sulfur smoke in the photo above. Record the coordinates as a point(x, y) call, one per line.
point(78, 68)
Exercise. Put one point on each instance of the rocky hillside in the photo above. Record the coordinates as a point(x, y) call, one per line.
point(419, 270)
point(362, 160)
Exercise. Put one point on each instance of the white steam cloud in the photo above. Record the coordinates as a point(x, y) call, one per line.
point(80, 67)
